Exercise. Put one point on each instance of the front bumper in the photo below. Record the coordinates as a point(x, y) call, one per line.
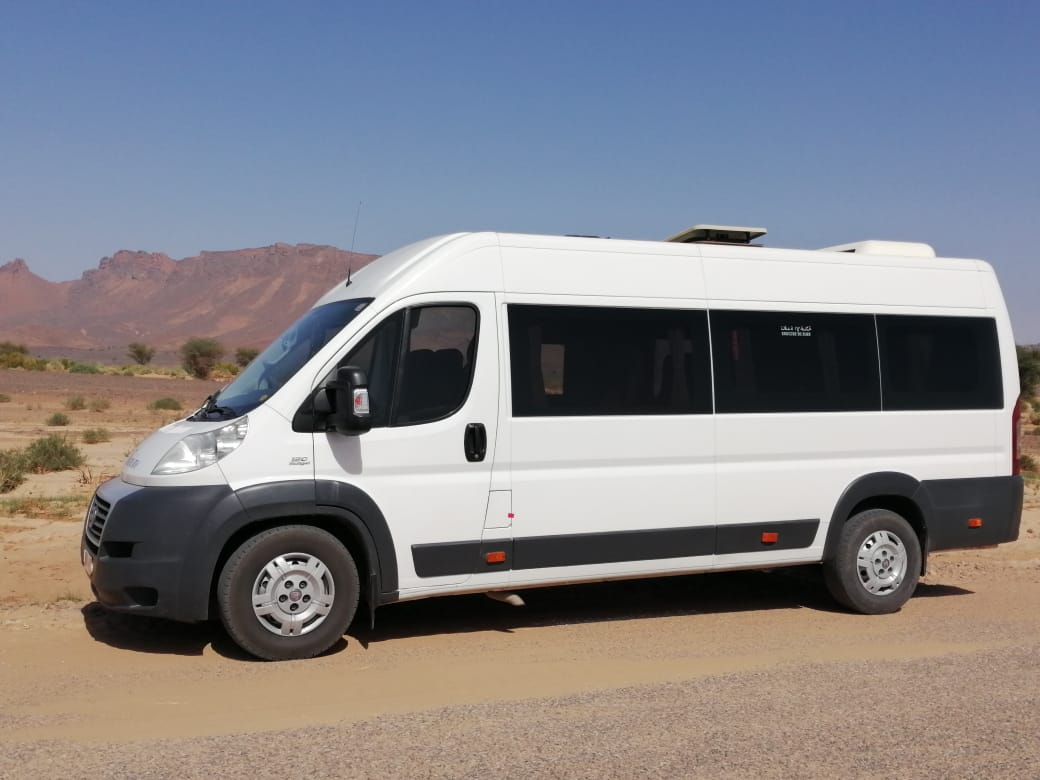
point(149, 550)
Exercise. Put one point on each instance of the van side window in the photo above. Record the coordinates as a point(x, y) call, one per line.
point(437, 366)
point(587, 360)
point(940, 362)
point(794, 362)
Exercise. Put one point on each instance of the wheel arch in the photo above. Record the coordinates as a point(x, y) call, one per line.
point(346, 512)
point(349, 529)
point(891, 490)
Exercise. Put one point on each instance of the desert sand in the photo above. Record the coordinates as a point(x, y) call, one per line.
point(749, 674)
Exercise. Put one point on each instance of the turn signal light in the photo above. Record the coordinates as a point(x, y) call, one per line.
point(975, 522)
point(770, 537)
point(496, 557)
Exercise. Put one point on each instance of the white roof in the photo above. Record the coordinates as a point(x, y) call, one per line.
point(873, 247)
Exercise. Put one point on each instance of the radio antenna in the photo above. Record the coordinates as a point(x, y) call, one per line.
point(353, 238)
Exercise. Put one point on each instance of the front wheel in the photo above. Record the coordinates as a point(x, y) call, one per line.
point(876, 564)
point(289, 592)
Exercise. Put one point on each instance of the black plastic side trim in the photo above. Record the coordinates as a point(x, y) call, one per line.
point(446, 558)
point(747, 537)
point(452, 558)
point(996, 501)
point(538, 552)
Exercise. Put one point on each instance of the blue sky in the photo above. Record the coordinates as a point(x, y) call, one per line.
point(178, 127)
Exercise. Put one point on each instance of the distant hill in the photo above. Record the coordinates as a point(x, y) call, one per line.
point(244, 298)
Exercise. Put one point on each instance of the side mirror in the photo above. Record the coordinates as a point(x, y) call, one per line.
point(348, 396)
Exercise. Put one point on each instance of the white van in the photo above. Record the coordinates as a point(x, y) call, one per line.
point(487, 413)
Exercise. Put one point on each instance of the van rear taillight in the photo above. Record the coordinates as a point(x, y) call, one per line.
point(1016, 436)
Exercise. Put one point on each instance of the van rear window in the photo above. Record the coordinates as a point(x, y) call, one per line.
point(940, 363)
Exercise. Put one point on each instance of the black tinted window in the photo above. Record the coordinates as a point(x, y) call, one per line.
point(428, 377)
point(438, 363)
point(377, 355)
point(940, 363)
point(569, 360)
point(794, 362)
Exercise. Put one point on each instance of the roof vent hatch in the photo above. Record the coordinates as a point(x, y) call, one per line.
point(717, 234)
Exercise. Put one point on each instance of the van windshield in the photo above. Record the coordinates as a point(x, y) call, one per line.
point(286, 355)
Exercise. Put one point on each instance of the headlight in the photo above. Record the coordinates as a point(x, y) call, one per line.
point(198, 450)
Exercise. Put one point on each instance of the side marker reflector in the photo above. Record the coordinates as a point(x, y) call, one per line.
point(498, 556)
point(770, 537)
point(975, 522)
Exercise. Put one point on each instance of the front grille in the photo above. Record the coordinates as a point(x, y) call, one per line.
point(97, 514)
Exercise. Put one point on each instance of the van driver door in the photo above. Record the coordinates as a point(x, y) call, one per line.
point(432, 367)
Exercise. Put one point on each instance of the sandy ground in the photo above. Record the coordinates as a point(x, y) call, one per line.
point(747, 674)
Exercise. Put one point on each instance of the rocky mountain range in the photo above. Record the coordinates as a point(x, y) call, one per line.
point(243, 297)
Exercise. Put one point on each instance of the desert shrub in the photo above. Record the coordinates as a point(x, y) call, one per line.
point(225, 370)
point(75, 403)
point(99, 404)
point(1027, 462)
point(96, 435)
point(83, 368)
point(9, 347)
point(1028, 370)
point(199, 356)
point(13, 355)
point(171, 404)
point(140, 353)
point(244, 355)
point(12, 470)
point(4, 398)
point(58, 419)
point(52, 453)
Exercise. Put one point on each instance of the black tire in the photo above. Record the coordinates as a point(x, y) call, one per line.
point(293, 567)
point(876, 564)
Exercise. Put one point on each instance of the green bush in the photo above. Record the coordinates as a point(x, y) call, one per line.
point(171, 404)
point(96, 435)
point(75, 403)
point(58, 419)
point(140, 353)
point(52, 453)
point(9, 347)
point(83, 368)
point(13, 355)
point(244, 355)
point(4, 398)
point(1027, 462)
point(99, 404)
point(1028, 370)
point(12, 470)
point(226, 370)
point(199, 356)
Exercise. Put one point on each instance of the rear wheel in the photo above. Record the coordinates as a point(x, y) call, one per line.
point(289, 592)
point(876, 564)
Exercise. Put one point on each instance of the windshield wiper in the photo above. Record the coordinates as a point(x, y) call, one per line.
point(211, 407)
